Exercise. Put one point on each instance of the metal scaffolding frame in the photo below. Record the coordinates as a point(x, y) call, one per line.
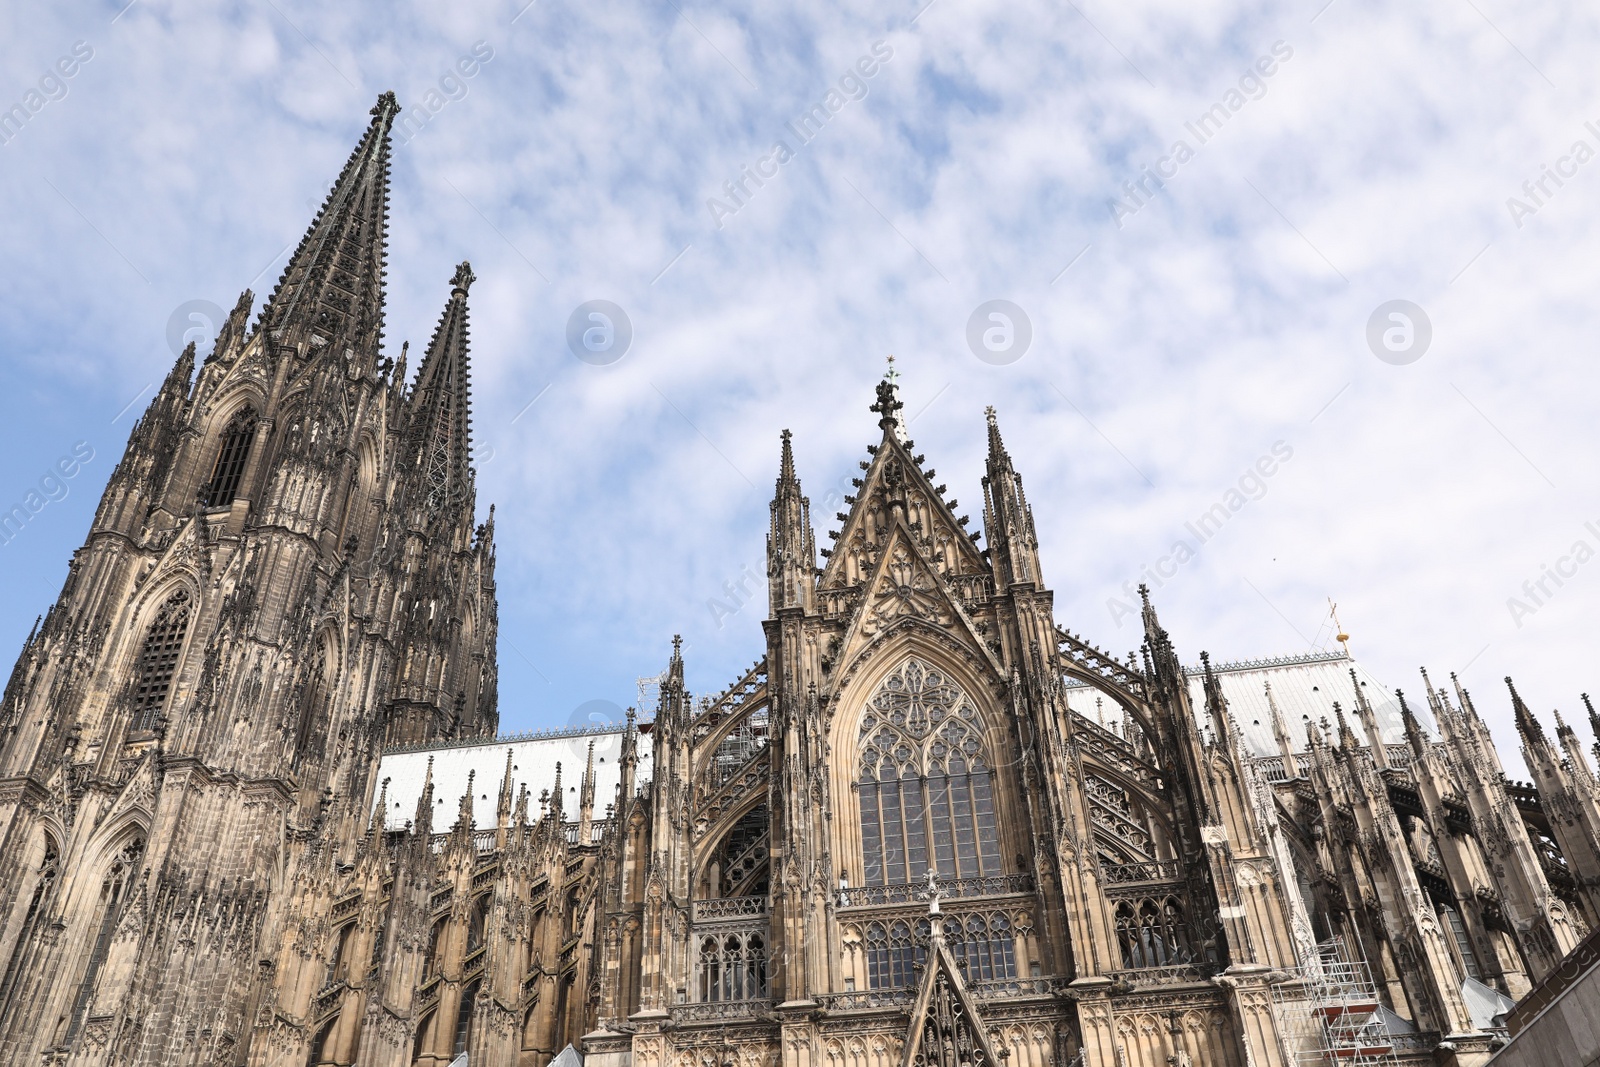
point(1330, 1011)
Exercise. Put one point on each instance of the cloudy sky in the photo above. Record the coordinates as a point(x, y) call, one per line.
point(1182, 332)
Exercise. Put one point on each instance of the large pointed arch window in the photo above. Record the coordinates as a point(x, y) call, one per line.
point(925, 789)
point(231, 456)
point(158, 661)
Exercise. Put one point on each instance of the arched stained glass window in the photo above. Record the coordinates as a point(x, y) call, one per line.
point(158, 660)
point(925, 789)
point(231, 456)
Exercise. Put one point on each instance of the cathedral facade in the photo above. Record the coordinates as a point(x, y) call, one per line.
point(254, 808)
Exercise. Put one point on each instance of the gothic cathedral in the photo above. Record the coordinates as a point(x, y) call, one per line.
point(254, 808)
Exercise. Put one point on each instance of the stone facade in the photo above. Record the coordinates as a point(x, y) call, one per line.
point(253, 809)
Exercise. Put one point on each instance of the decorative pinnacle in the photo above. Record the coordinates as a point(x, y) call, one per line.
point(387, 105)
point(463, 278)
point(786, 464)
point(1525, 721)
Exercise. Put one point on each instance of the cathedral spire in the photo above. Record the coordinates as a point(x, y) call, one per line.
point(1013, 544)
point(438, 418)
point(331, 293)
point(791, 545)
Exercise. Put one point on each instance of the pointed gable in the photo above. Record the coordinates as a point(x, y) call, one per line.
point(946, 1029)
point(896, 486)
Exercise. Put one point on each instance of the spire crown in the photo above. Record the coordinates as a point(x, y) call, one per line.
point(331, 293)
point(439, 409)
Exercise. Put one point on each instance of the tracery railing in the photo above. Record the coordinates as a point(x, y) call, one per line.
point(1150, 871)
point(729, 908)
point(917, 892)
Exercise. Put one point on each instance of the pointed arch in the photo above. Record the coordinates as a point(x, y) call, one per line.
point(44, 878)
point(115, 888)
point(924, 780)
point(160, 652)
point(232, 453)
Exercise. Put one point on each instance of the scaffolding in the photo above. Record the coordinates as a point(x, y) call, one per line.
point(1331, 1013)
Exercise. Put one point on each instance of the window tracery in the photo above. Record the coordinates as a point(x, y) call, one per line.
point(983, 945)
point(231, 456)
point(733, 966)
point(924, 786)
point(158, 661)
point(1154, 932)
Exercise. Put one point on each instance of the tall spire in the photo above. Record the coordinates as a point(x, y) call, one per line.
point(438, 419)
point(1008, 520)
point(791, 545)
point(331, 293)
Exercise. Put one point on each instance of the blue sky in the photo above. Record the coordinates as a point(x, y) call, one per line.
point(1174, 341)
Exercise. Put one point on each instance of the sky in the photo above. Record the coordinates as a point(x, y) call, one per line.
point(1198, 219)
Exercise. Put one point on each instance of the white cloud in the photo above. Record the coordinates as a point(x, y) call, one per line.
point(980, 163)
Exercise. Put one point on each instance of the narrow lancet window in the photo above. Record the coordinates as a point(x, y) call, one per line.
point(158, 661)
point(229, 470)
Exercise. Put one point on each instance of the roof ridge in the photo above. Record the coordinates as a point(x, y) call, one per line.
point(1289, 660)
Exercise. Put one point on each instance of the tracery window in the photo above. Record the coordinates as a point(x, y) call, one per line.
point(733, 966)
point(158, 660)
point(983, 945)
point(1154, 932)
point(112, 891)
point(229, 469)
point(1458, 930)
point(925, 789)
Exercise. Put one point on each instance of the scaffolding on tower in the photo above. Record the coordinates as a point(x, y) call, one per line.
point(1331, 1013)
